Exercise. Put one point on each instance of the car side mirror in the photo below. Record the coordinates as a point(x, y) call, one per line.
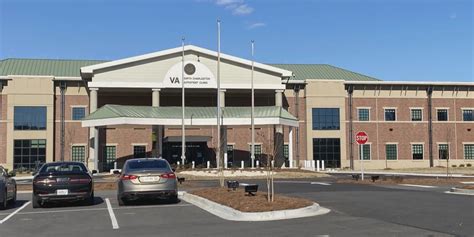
point(94, 171)
point(116, 172)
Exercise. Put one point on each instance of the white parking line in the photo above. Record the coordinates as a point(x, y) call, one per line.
point(321, 183)
point(419, 186)
point(15, 212)
point(467, 194)
point(467, 182)
point(112, 214)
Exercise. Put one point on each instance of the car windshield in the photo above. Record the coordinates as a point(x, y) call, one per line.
point(147, 164)
point(63, 168)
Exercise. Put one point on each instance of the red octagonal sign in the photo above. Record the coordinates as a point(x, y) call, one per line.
point(361, 138)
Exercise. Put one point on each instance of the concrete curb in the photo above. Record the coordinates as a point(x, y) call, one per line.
point(400, 173)
point(231, 214)
point(462, 191)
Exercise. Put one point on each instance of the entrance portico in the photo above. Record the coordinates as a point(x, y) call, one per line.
point(125, 83)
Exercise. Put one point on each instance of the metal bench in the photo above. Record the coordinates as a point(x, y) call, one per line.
point(232, 184)
point(375, 177)
point(356, 177)
point(251, 189)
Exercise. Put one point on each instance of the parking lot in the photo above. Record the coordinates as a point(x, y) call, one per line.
point(356, 210)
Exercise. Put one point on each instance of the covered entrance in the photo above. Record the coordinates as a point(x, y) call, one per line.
point(196, 149)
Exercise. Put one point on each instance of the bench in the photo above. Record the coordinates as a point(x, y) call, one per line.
point(356, 177)
point(181, 180)
point(375, 177)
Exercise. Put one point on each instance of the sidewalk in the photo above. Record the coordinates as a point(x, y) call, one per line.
point(400, 173)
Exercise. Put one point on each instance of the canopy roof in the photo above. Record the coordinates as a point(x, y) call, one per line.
point(109, 115)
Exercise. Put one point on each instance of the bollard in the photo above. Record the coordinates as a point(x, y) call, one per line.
point(273, 163)
point(258, 164)
point(317, 165)
point(115, 165)
point(313, 164)
point(193, 165)
point(178, 163)
point(242, 164)
point(225, 161)
point(322, 165)
point(208, 164)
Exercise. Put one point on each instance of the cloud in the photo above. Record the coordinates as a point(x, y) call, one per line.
point(256, 25)
point(228, 2)
point(243, 9)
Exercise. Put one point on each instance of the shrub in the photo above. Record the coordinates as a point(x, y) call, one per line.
point(461, 165)
point(454, 166)
point(468, 165)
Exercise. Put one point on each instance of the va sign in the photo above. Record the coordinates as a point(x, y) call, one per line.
point(196, 75)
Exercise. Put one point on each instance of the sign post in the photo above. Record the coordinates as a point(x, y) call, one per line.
point(361, 138)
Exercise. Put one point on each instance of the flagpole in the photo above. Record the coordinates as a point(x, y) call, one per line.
point(183, 135)
point(252, 153)
point(218, 146)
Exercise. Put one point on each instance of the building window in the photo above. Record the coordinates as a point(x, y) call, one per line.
point(442, 114)
point(390, 115)
point(443, 151)
point(258, 150)
point(391, 152)
point(417, 151)
point(467, 115)
point(469, 151)
point(230, 154)
point(110, 155)
point(78, 113)
point(366, 149)
point(29, 154)
point(78, 153)
point(30, 118)
point(139, 151)
point(416, 115)
point(329, 150)
point(326, 119)
point(286, 151)
point(364, 114)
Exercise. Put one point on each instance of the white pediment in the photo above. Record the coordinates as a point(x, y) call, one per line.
point(163, 69)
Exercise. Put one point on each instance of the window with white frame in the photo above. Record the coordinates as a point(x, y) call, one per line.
point(391, 151)
point(443, 151)
point(467, 115)
point(78, 153)
point(417, 151)
point(139, 151)
point(78, 113)
point(442, 114)
point(469, 151)
point(390, 114)
point(416, 114)
point(363, 114)
point(366, 149)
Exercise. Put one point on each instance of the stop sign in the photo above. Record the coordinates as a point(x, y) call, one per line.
point(361, 138)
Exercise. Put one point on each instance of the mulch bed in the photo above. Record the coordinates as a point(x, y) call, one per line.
point(471, 187)
point(241, 201)
point(405, 180)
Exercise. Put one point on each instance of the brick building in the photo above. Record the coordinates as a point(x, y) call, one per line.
point(101, 112)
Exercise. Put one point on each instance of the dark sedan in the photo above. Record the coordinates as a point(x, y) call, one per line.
point(63, 181)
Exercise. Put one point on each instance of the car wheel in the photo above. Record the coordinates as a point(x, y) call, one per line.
point(13, 200)
point(90, 200)
point(35, 201)
point(120, 200)
point(173, 199)
point(4, 203)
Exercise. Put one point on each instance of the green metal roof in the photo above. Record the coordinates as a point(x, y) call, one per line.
point(44, 67)
point(323, 71)
point(126, 111)
point(71, 68)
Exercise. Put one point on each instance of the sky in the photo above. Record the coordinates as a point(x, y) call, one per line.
point(401, 40)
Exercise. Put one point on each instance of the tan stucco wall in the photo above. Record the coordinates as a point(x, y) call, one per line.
point(29, 91)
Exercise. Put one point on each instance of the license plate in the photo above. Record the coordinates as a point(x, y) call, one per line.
point(62, 192)
point(150, 179)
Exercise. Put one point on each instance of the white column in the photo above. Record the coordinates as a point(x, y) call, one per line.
point(157, 129)
point(93, 162)
point(290, 147)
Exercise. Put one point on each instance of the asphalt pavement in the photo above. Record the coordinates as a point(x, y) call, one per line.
point(356, 210)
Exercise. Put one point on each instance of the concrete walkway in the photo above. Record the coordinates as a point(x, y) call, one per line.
point(399, 173)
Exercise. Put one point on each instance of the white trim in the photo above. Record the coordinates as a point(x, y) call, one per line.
point(158, 85)
point(358, 117)
point(79, 106)
point(467, 108)
point(90, 69)
point(188, 122)
point(447, 108)
point(408, 83)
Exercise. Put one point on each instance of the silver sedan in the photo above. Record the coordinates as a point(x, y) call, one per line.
point(147, 178)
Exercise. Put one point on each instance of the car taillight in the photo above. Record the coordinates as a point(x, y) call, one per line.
point(168, 176)
point(128, 177)
point(80, 181)
point(44, 181)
